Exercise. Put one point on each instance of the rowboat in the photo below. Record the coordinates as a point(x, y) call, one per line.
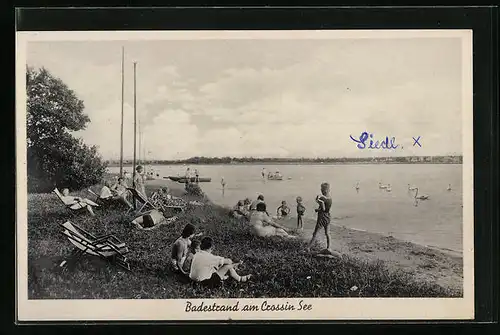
point(275, 178)
point(193, 179)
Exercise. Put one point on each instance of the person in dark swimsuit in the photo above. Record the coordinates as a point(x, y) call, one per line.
point(300, 212)
point(283, 210)
point(325, 203)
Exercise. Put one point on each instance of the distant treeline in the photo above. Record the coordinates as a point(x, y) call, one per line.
point(340, 160)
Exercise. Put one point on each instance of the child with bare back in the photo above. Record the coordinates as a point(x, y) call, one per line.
point(323, 222)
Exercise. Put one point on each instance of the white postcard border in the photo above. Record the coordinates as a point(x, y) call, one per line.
point(174, 309)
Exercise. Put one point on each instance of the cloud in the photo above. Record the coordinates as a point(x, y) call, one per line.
point(306, 107)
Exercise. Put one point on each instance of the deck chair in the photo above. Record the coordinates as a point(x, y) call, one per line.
point(108, 202)
point(146, 203)
point(158, 202)
point(74, 206)
point(107, 247)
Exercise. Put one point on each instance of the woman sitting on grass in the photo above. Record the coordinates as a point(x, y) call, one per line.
point(181, 247)
point(211, 270)
point(264, 226)
point(77, 202)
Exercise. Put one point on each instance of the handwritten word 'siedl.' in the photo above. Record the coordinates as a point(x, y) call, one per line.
point(383, 144)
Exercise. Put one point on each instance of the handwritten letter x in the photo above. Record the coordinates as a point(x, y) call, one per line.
point(416, 141)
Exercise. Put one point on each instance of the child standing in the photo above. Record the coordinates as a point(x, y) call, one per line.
point(325, 203)
point(300, 212)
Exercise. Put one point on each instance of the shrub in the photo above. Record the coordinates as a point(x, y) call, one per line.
point(194, 189)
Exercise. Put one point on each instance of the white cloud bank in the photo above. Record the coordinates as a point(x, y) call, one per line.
point(307, 109)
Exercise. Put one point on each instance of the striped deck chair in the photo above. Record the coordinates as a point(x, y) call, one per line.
point(108, 202)
point(159, 203)
point(107, 247)
point(75, 206)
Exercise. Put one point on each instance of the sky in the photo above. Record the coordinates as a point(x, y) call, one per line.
point(265, 98)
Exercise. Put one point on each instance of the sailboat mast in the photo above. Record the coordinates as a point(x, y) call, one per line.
point(135, 124)
point(121, 127)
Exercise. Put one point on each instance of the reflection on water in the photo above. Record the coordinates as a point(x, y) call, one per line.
point(437, 221)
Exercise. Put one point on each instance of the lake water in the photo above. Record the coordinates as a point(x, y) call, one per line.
point(435, 222)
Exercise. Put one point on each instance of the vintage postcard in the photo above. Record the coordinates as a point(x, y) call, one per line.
point(245, 175)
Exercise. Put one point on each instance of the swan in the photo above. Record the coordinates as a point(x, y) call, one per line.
point(420, 197)
point(449, 187)
point(381, 186)
point(411, 188)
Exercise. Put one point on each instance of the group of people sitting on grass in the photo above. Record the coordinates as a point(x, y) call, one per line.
point(195, 260)
point(117, 191)
point(263, 225)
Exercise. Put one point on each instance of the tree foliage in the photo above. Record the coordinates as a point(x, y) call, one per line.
point(55, 157)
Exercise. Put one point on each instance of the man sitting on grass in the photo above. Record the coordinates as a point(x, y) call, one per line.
point(211, 270)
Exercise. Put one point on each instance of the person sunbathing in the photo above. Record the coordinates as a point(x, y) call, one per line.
point(264, 226)
point(77, 202)
point(211, 270)
point(119, 192)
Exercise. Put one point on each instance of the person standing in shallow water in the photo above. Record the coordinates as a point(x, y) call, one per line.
point(323, 222)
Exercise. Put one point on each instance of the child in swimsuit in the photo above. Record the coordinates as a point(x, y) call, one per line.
point(300, 212)
point(323, 222)
point(283, 210)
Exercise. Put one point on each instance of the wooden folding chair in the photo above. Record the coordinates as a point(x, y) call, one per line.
point(146, 203)
point(107, 247)
point(75, 206)
point(108, 202)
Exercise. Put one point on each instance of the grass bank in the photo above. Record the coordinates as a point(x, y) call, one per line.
point(280, 267)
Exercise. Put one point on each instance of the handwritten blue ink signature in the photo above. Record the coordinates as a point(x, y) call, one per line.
point(384, 144)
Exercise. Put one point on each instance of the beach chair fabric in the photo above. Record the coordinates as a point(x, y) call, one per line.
point(160, 204)
point(75, 206)
point(107, 247)
point(146, 203)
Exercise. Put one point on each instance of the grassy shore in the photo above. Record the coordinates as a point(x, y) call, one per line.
point(281, 268)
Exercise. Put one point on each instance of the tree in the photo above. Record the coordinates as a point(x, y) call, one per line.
point(56, 158)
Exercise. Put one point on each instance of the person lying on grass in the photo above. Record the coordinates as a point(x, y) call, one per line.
point(181, 246)
point(239, 211)
point(168, 199)
point(264, 226)
point(211, 270)
point(77, 202)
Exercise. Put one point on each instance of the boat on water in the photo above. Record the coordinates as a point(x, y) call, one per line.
point(181, 179)
point(274, 176)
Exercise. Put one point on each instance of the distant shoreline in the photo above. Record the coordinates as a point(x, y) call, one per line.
point(288, 163)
